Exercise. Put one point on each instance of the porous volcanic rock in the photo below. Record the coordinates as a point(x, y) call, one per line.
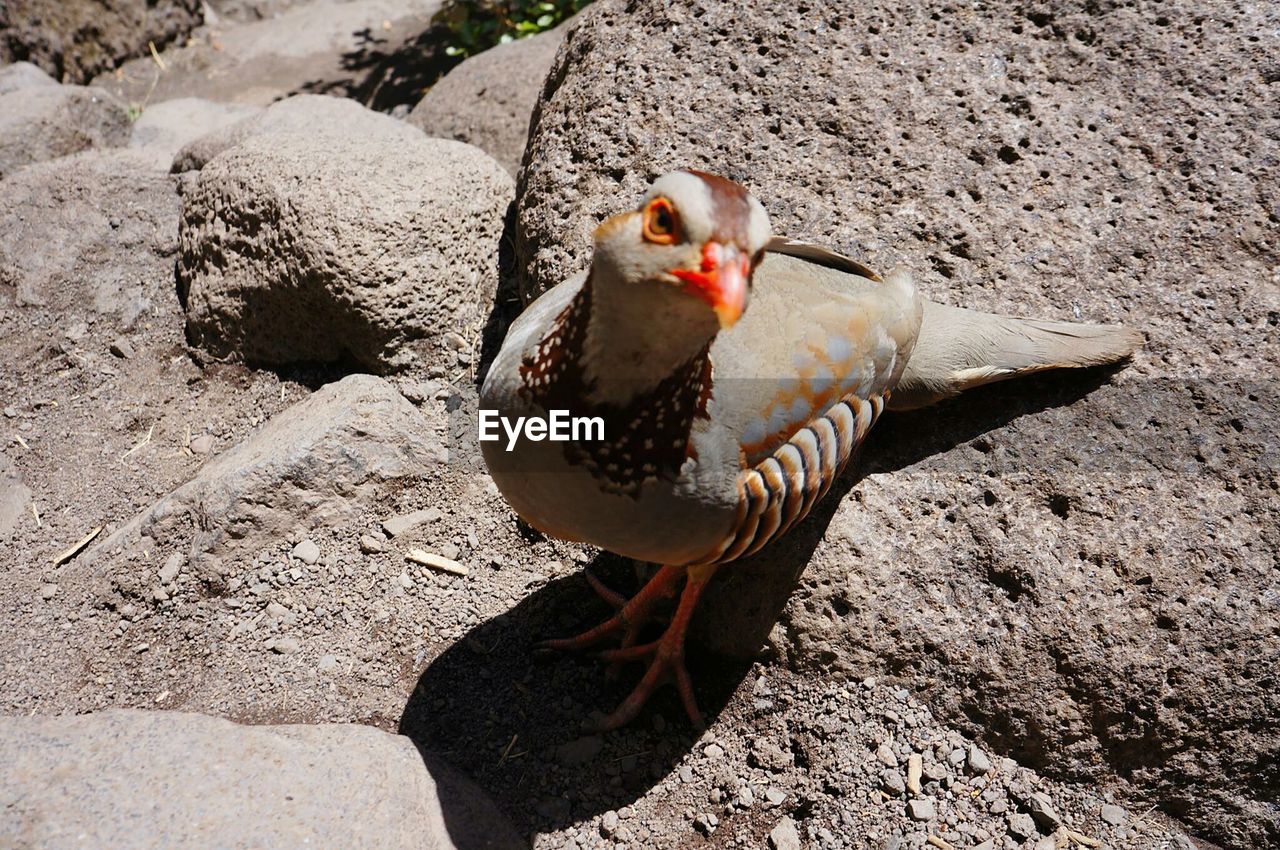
point(488, 99)
point(299, 249)
point(96, 230)
point(75, 39)
point(1079, 570)
point(74, 782)
point(318, 462)
point(309, 115)
point(23, 75)
point(166, 128)
point(39, 123)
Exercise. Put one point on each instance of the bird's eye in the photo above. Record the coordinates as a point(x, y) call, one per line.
point(660, 222)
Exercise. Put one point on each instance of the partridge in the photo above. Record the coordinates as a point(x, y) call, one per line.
point(722, 425)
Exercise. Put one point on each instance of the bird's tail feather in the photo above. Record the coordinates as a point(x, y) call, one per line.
point(959, 349)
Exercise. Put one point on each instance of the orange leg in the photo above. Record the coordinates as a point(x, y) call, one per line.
point(665, 656)
point(631, 615)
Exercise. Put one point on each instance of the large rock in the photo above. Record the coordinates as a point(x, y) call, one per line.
point(23, 75)
point(1089, 587)
point(382, 252)
point(38, 123)
point(488, 99)
point(95, 231)
point(75, 39)
point(319, 462)
point(327, 46)
point(309, 115)
point(166, 128)
point(152, 779)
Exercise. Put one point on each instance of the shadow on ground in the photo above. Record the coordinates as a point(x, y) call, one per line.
point(511, 718)
point(387, 70)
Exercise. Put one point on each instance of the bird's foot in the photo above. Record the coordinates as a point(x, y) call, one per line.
point(609, 595)
point(665, 657)
point(632, 614)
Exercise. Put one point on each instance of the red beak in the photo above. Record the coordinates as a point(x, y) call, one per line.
point(721, 281)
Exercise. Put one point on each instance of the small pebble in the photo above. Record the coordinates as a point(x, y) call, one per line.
point(978, 761)
point(327, 664)
point(921, 809)
point(893, 783)
point(1022, 827)
point(286, 646)
point(785, 836)
point(397, 525)
point(201, 445)
point(48, 591)
point(581, 751)
point(371, 545)
point(713, 751)
point(1114, 815)
point(121, 348)
point(1043, 812)
point(172, 565)
point(307, 552)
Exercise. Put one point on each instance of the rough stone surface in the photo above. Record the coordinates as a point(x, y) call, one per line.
point(314, 464)
point(313, 116)
point(15, 498)
point(165, 128)
point(23, 75)
point(488, 99)
point(96, 230)
point(70, 782)
point(247, 11)
point(75, 39)
point(297, 249)
point(328, 46)
point(45, 122)
point(1078, 570)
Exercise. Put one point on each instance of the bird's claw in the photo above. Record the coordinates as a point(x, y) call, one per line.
point(666, 664)
point(665, 656)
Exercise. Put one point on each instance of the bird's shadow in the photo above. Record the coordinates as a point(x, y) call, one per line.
point(511, 717)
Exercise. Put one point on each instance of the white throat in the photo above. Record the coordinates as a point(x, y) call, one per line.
point(639, 334)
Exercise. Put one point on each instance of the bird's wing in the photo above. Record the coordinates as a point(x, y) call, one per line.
point(819, 255)
point(812, 335)
point(800, 384)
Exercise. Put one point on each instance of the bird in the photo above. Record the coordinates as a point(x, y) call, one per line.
point(735, 373)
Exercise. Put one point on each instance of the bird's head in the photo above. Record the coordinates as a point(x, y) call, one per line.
point(692, 244)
